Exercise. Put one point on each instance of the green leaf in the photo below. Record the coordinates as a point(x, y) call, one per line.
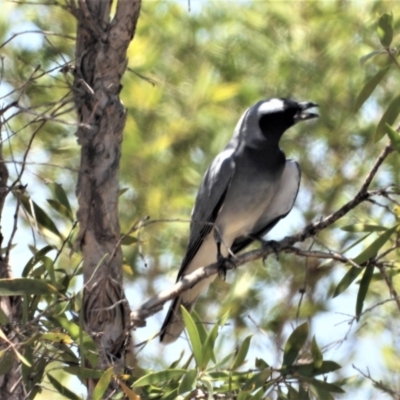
point(155, 378)
point(347, 280)
point(188, 382)
point(200, 326)
point(385, 29)
point(61, 195)
point(363, 228)
point(310, 370)
point(261, 364)
point(194, 336)
point(394, 137)
point(102, 384)
point(84, 373)
point(388, 117)
point(369, 87)
point(128, 240)
point(62, 389)
point(39, 215)
point(25, 286)
point(61, 209)
point(363, 289)
point(295, 343)
point(316, 354)
point(242, 353)
point(6, 361)
point(57, 337)
point(208, 347)
point(329, 387)
point(209, 386)
point(372, 250)
point(35, 259)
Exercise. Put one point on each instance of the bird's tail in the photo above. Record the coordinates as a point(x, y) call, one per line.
point(173, 324)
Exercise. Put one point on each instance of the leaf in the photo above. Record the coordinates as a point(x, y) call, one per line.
point(200, 326)
point(374, 53)
point(310, 370)
point(188, 381)
point(394, 137)
point(261, 364)
point(62, 389)
point(369, 87)
point(385, 29)
point(388, 117)
point(61, 195)
point(39, 215)
point(209, 386)
point(372, 250)
point(6, 361)
point(329, 387)
point(242, 353)
point(316, 353)
point(84, 373)
point(154, 378)
point(35, 259)
point(208, 347)
point(61, 209)
point(25, 286)
point(363, 289)
point(194, 336)
point(57, 337)
point(363, 228)
point(294, 344)
point(128, 391)
point(102, 384)
point(128, 240)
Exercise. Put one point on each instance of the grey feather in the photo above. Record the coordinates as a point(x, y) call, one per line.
point(248, 188)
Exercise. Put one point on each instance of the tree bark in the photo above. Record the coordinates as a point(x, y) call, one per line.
point(100, 63)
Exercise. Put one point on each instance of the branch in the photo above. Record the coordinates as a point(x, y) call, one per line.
point(157, 302)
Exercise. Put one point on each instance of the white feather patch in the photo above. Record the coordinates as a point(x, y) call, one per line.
point(271, 106)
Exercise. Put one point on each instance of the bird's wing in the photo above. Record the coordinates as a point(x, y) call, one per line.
point(280, 205)
point(208, 202)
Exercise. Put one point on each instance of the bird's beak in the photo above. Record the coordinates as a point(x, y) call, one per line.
point(303, 114)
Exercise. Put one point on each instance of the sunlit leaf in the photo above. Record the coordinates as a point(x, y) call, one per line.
point(363, 228)
point(194, 336)
point(62, 389)
point(242, 353)
point(154, 378)
point(316, 353)
point(394, 137)
point(188, 381)
point(102, 384)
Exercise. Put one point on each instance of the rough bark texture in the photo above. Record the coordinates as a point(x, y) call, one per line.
point(100, 63)
point(11, 384)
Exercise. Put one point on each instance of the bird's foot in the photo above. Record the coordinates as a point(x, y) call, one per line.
point(225, 263)
point(273, 245)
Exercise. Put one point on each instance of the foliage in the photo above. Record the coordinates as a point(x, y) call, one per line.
point(191, 76)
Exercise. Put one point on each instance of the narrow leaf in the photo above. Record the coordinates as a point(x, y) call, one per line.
point(362, 291)
point(102, 384)
point(363, 228)
point(194, 336)
point(62, 389)
point(39, 215)
point(35, 259)
point(385, 29)
point(159, 377)
point(61, 209)
point(372, 250)
point(242, 353)
point(128, 391)
point(388, 117)
point(188, 382)
point(25, 286)
point(57, 337)
point(84, 373)
point(295, 343)
point(316, 353)
point(369, 87)
point(394, 137)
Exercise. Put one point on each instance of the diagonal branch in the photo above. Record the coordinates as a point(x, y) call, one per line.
point(157, 302)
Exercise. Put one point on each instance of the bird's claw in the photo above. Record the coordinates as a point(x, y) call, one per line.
point(273, 245)
point(222, 268)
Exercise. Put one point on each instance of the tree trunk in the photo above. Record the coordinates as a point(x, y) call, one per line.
point(100, 63)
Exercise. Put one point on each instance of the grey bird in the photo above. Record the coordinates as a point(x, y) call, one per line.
point(247, 189)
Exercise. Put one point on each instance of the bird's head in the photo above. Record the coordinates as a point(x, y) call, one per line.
point(276, 115)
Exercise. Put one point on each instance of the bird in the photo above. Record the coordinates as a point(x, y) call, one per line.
point(247, 189)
